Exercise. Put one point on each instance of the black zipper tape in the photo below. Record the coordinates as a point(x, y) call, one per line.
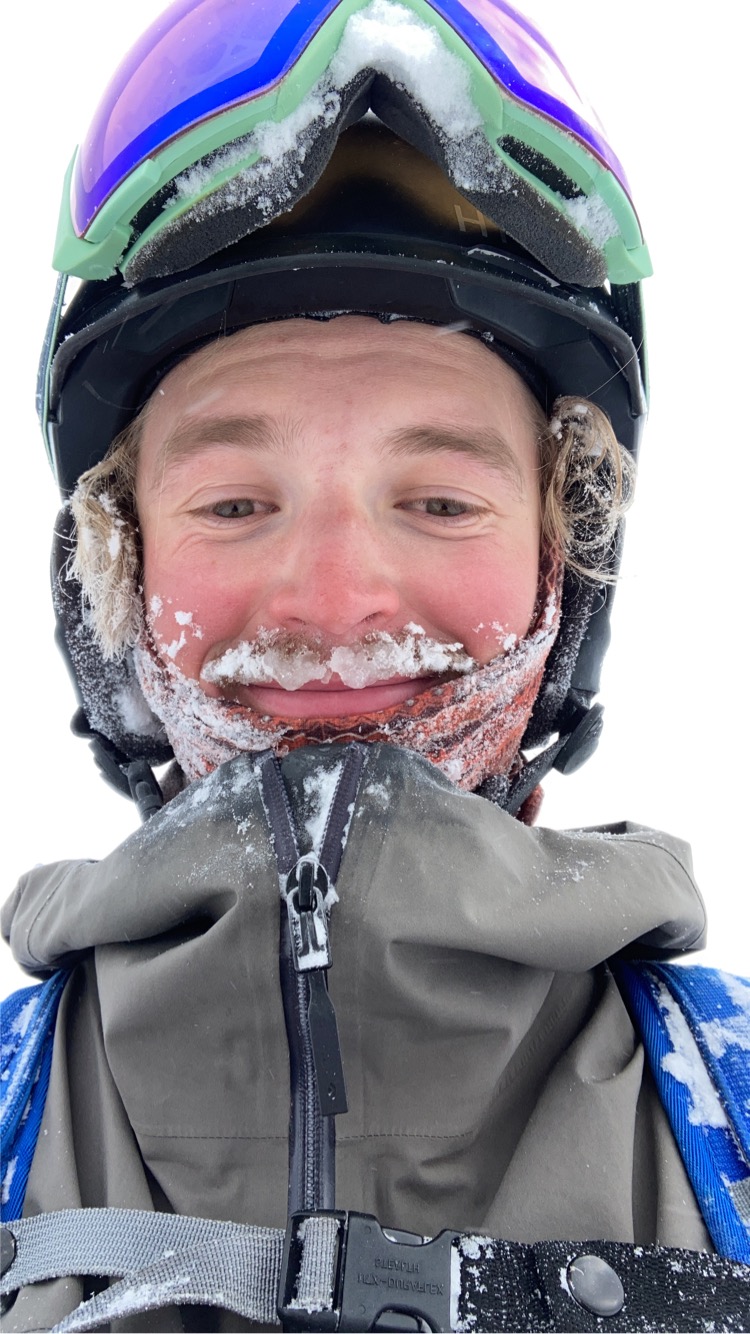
point(318, 1090)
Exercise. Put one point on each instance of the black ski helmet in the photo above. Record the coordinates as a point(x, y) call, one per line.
point(399, 158)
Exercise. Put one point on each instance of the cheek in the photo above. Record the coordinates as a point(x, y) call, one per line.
point(191, 608)
point(487, 599)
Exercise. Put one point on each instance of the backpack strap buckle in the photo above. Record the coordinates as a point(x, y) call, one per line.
point(343, 1271)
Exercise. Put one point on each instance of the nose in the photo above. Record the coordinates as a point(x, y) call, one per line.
point(336, 579)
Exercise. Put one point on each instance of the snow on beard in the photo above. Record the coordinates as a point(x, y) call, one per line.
point(185, 624)
point(292, 661)
point(469, 724)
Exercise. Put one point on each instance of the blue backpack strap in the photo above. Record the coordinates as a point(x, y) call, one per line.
point(695, 1025)
point(28, 1029)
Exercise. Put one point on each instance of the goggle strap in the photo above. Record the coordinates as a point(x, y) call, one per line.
point(49, 347)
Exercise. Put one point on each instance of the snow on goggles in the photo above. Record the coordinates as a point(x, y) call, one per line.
point(225, 107)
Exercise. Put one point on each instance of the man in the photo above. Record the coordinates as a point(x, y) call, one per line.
point(347, 497)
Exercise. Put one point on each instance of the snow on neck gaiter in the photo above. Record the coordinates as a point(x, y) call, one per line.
point(469, 727)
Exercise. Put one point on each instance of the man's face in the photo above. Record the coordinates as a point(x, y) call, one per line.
point(328, 480)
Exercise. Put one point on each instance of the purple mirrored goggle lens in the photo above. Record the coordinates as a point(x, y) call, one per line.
point(523, 61)
point(203, 56)
point(198, 58)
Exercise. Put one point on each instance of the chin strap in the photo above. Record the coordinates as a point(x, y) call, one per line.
point(566, 754)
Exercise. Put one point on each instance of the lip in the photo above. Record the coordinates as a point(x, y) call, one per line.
point(332, 700)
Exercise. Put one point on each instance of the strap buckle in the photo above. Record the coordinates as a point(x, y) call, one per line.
point(376, 1278)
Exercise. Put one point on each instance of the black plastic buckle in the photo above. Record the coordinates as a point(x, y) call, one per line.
point(382, 1279)
point(144, 788)
point(581, 741)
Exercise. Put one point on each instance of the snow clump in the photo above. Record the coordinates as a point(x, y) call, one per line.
point(685, 1064)
point(275, 659)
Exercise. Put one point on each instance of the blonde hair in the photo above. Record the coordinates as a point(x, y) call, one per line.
point(586, 484)
point(106, 559)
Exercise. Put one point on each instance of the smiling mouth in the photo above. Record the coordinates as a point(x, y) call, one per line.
point(331, 699)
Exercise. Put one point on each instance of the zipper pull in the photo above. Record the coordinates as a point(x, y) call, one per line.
point(306, 888)
point(324, 1037)
point(305, 893)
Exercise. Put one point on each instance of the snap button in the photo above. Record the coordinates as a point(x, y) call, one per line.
point(595, 1285)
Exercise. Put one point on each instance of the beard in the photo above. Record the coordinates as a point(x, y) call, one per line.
point(469, 725)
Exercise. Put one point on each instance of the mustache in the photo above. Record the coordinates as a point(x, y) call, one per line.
point(277, 658)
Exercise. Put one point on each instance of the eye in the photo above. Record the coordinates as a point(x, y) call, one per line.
point(238, 509)
point(441, 507)
point(445, 507)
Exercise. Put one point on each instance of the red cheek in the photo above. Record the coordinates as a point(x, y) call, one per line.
point(202, 604)
point(191, 611)
point(487, 604)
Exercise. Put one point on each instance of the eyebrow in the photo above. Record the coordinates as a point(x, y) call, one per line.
point(263, 433)
point(191, 435)
point(487, 447)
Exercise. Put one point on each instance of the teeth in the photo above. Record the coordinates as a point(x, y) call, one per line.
point(270, 660)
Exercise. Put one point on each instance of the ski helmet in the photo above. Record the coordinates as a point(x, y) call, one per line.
point(253, 161)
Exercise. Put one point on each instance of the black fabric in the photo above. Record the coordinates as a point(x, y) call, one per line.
point(571, 675)
point(526, 1288)
point(513, 204)
point(198, 233)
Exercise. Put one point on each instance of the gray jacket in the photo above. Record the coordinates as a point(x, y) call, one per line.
point(494, 1078)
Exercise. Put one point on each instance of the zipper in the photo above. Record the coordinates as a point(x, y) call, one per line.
point(318, 1091)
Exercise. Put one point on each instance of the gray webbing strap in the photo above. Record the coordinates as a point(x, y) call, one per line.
point(164, 1260)
point(238, 1274)
point(740, 1193)
point(108, 1243)
point(316, 1274)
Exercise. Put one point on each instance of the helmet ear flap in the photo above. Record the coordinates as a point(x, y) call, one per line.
point(107, 691)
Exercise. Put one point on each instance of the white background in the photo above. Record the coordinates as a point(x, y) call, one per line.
point(669, 91)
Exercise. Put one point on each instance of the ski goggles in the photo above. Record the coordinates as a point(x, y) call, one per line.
point(227, 100)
